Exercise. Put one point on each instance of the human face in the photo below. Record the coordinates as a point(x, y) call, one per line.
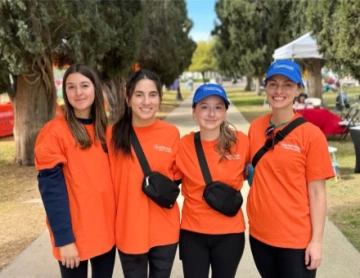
point(210, 113)
point(80, 93)
point(144, 102)
point(281, 92)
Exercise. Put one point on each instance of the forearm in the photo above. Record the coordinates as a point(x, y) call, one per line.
point(56, 202)
point(318, 206)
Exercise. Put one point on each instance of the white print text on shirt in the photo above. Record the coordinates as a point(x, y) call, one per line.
point(162, 148)
point(290, 147)
point(235, 156)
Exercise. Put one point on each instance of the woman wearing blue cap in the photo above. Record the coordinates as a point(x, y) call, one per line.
point(212, 225)
point(286, 205)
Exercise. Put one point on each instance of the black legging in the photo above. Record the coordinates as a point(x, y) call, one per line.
point(102, 266)
point(159, 258)
point(276, 262)
point(200, 251)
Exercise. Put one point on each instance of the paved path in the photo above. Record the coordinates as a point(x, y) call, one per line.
point(341, 259)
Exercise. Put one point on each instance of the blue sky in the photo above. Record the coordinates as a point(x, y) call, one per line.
point(202, 13)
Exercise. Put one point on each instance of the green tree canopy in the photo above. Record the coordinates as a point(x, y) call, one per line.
point(166, 47)
point(336, 26)
point(203, 59)
point(250, 30)
point(32, 33)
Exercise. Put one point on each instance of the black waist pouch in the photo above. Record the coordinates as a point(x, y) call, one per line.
point(223, 198)
point(159, 188)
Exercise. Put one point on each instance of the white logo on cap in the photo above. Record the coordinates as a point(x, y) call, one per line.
point(284, 66)
point(213, 89)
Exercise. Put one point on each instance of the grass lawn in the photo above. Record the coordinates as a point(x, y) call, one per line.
point(22, 216)
point(344, 195)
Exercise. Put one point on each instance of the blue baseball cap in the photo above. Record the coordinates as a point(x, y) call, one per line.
point(210, 89)
point(286, 68)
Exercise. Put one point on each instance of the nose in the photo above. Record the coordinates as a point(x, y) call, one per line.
point(211, 112)
point(146, 99)
point(77, 91)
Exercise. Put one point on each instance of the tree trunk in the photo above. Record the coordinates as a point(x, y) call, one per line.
point(248, 86)
point(203, 76)
point(315, 86)
point(34, 105)
point(115, 96)
point(258, 86)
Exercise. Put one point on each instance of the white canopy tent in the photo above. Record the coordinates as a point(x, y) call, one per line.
point(303, 47)
point(306, 49)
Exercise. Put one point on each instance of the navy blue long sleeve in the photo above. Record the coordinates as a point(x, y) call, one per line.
point(54, 194)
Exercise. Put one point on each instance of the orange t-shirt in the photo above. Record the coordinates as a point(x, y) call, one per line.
point(278, 203)
point(140, 223)
point(88, 183)
point(197, 215)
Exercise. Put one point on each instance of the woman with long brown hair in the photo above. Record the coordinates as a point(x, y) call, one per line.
point(74, 179)
point(146, 232)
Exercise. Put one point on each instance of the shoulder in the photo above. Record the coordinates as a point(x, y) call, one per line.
point(260, 121)
point(241, 135)
point(311, 131)
point(55, 127)
point(167, 127)
point(186, 139)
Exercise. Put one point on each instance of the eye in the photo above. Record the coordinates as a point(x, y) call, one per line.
point(85, 85)
point(138, 94)
point(219, 107)
point(69, 87)
point(154, 94)
point(203, 107)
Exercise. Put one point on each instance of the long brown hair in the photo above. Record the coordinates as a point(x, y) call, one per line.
point(120, 141)
point(226, 140)
point(97, 112)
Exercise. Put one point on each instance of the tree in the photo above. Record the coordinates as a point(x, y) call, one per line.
point(203, 59)
point(336, 27)
point(116, 64)
point(27, 32)
point(166, 47)
point(32, 33)
point(256, 28)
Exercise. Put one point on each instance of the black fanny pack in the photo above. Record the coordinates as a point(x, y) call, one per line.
point(159, 188)
point(218, 195)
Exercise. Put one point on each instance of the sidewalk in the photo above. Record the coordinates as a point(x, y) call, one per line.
point(340, 258)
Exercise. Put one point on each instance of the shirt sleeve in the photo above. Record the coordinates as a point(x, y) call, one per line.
point(54, 194)
point(48, 149)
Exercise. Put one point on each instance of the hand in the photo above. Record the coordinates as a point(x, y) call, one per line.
point(69, 255)
point(313, 254)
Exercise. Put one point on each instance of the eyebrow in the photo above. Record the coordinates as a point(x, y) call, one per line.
point(221, 103)
point(287, 80)
point(71, 83)
point(142, 92)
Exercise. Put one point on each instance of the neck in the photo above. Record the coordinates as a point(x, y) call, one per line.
point(209, 135)
point(142, 123)
point(82, 114)
point(280, 116)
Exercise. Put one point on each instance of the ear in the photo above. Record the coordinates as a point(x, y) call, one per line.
point(298, 92)
point(193, 114)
